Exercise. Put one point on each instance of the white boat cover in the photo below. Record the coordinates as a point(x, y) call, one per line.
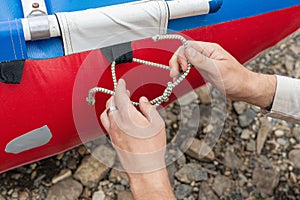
point(106, 26)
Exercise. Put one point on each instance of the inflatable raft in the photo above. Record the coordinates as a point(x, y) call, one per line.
point(54, 51)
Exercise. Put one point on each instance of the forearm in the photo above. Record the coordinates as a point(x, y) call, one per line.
point(154, 185)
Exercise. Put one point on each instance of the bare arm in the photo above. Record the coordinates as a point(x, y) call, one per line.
point(224, 72)
point(140, 141)
point(155, 185)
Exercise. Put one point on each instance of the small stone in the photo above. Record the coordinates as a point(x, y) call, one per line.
point(206, 193)
point(242, 180)
point(199, 150)
point(251, 146)
point(208, 128)
point(204, 96)
point(68, 189)
point(295, 48)
point(182, 191)
point(65, 173)
point(281, 141)
point(99, 195)
point(265, 162)
point(265, 180)
point(72, 163)
point(262, 135)
point(293, 177)
point(60, 156)
point(227, 173)
point(296, 133)
point(33, 166)
point(292, 141)
point(289, 62)
point(187, 99)
point(191, 172)
point(294, 157)
point(125, 195)
point(172, 117)
point(181, 160)
point(86, 193)
point(23, 196)
point(239, 107)
point(10, 191)
point(33, 175)
point(118, 175)
point(279, 133)
point(194, 120)
point(91, 170)
point(15, 194)
point(221, 184)
point(232, 161)
point(119, 187)
point(82, 150)
point(246, 118)
point(124, 182)
point(246, 134)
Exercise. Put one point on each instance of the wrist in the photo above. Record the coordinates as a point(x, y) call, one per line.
point(155, 179)
point(261, 89)
point(152, 185)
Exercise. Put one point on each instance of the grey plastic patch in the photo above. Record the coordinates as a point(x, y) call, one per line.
point(30, 140)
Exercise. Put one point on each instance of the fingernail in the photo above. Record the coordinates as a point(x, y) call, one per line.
point(191, 52)
point(144, 99)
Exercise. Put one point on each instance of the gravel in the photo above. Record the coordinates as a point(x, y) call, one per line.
point(254, 158)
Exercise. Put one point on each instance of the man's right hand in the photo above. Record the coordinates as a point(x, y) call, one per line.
point(225, 73)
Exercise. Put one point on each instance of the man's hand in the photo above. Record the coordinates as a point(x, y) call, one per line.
point(224, 72)
point(140, 141)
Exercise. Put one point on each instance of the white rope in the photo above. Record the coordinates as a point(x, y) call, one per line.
point(170, 85)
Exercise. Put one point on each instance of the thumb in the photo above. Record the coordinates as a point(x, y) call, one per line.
point(196, 58)
point(146, 107)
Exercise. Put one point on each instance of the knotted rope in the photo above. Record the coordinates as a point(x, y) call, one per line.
point(170, 85)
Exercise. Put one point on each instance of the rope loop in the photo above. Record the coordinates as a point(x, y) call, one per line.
point(170, 85)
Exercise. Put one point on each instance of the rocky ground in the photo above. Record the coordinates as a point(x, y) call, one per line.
point(254, 158)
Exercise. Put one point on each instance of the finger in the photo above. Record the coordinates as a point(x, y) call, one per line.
point(128, 92)
point(105, 121)
point(148, 110)
point(177, 62)
point(145, 107)
point(208, 49)
point(121, 98)
point(109, 102)
point(122, 101)
point(196, 58)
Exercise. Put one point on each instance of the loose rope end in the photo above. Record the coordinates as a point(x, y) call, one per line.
point(91, 101)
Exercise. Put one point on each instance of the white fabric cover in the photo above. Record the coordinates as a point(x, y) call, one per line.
point(106, 26)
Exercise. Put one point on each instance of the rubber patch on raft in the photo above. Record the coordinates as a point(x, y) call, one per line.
point(30, 140)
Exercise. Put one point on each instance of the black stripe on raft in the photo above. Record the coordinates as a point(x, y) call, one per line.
point(11, 72)
point(120, 53)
